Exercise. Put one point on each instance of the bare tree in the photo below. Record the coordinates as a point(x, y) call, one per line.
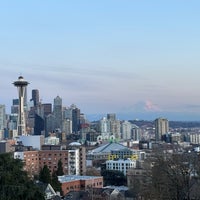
point(176, 176)
point(167, 177)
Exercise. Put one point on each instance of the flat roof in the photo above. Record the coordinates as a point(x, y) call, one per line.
point(69, 178)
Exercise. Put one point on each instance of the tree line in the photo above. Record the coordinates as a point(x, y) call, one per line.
point(16, 184)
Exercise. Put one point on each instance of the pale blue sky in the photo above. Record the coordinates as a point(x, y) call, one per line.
point(124, 56)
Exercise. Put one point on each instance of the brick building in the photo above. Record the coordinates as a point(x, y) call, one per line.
point(50, 155)
point(78, 183)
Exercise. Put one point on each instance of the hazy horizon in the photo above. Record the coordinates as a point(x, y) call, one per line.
point(135, 58)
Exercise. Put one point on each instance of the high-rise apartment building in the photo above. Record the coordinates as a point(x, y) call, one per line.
point(115, 127)
point(76, 159)
point(135, 133)
point(103, 125)
point(161, 128)
point(103, 128)
point(126, 130)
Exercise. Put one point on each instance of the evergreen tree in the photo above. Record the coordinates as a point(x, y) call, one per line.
point(113, 177)
point(59, 171)
point(55, 183)
point(14, 181)
point(44, 175)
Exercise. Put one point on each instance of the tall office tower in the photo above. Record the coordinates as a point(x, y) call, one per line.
point(15, 106)
point(67, 113)
point(49, 124)
point(111, 116)
point(39, 125)
point(2, 117)
point(44, 110)
point(161, 128)
point(21, 85)
point(57, 112)
point(73, 113)
point(126, 130)
point(75, 120)
point(83, 119)
point(35, 97)
point(47, 108)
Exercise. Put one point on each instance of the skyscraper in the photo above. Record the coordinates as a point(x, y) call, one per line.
point(76, 120)
point(15, 106)
point(21, 85)
point(35, 97)
point(57, 112)
point(2, 117)
point(47, 108)
point(111, 116)
point(161, 128)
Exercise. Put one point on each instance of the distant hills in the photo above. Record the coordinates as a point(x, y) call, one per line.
point(172, 124)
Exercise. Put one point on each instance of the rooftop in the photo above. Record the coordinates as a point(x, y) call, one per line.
point(122, 187)
point(107, 148)
point(69, 178)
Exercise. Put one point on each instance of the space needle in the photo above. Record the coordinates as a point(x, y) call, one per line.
point(21, 85)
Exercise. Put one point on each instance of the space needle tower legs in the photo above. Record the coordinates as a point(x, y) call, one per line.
point(21, 86)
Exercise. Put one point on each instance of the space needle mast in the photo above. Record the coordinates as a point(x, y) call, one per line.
point(21, 85)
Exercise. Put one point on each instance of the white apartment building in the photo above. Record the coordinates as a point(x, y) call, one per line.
point(103, 125)
point(73, 162)
point(121, 165)
point(126, 130)
point(194, 138)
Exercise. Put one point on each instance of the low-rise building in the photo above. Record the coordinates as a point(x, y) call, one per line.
point(104, 151)
point(78, 183)
point(122, 165)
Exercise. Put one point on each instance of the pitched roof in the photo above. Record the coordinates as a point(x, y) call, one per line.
point(108, 147)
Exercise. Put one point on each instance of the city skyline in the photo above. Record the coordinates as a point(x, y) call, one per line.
point(136, 59)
